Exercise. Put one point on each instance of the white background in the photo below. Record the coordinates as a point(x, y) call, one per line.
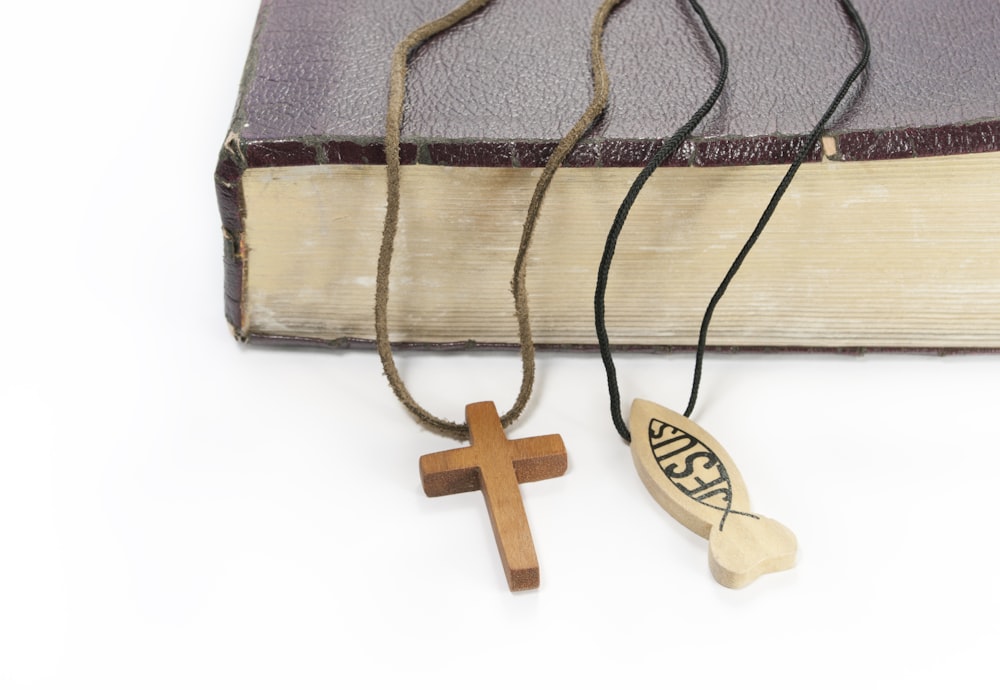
point(178, 511)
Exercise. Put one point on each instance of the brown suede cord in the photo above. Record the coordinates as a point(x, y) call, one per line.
point(393, 126)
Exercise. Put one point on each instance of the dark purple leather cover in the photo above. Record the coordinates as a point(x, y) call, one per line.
point(501, 88)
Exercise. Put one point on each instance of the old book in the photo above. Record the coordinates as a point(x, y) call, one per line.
point(888, 238)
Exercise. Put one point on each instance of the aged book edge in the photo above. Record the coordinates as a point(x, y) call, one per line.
point(855, 237)
point(238, 157)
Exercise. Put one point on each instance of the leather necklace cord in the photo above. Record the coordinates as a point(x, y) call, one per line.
point(394, 120)
point(675, 141)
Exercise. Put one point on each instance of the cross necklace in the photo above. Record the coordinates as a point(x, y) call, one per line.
point(685, 469)
point(491, 464)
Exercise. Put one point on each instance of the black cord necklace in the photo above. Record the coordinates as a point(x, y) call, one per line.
point(685, 469)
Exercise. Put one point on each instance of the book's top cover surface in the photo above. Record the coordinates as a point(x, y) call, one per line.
point(500, 87)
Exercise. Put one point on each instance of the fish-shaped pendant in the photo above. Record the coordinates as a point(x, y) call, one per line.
point(690, 474)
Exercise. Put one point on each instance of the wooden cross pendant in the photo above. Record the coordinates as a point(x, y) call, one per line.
point(494, 465)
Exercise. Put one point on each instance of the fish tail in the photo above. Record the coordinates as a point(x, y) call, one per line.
point(747, 549)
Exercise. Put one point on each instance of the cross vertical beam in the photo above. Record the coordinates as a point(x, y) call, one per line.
point(495, 465)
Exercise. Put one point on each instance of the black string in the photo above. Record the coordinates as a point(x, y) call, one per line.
point(609, 249)
point(661, 155)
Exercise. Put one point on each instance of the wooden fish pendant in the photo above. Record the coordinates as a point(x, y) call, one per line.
point(690, 474)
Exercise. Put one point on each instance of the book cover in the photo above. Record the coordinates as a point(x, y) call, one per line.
point(915, 149)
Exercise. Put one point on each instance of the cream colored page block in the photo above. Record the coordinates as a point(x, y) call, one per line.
point(884, 253)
